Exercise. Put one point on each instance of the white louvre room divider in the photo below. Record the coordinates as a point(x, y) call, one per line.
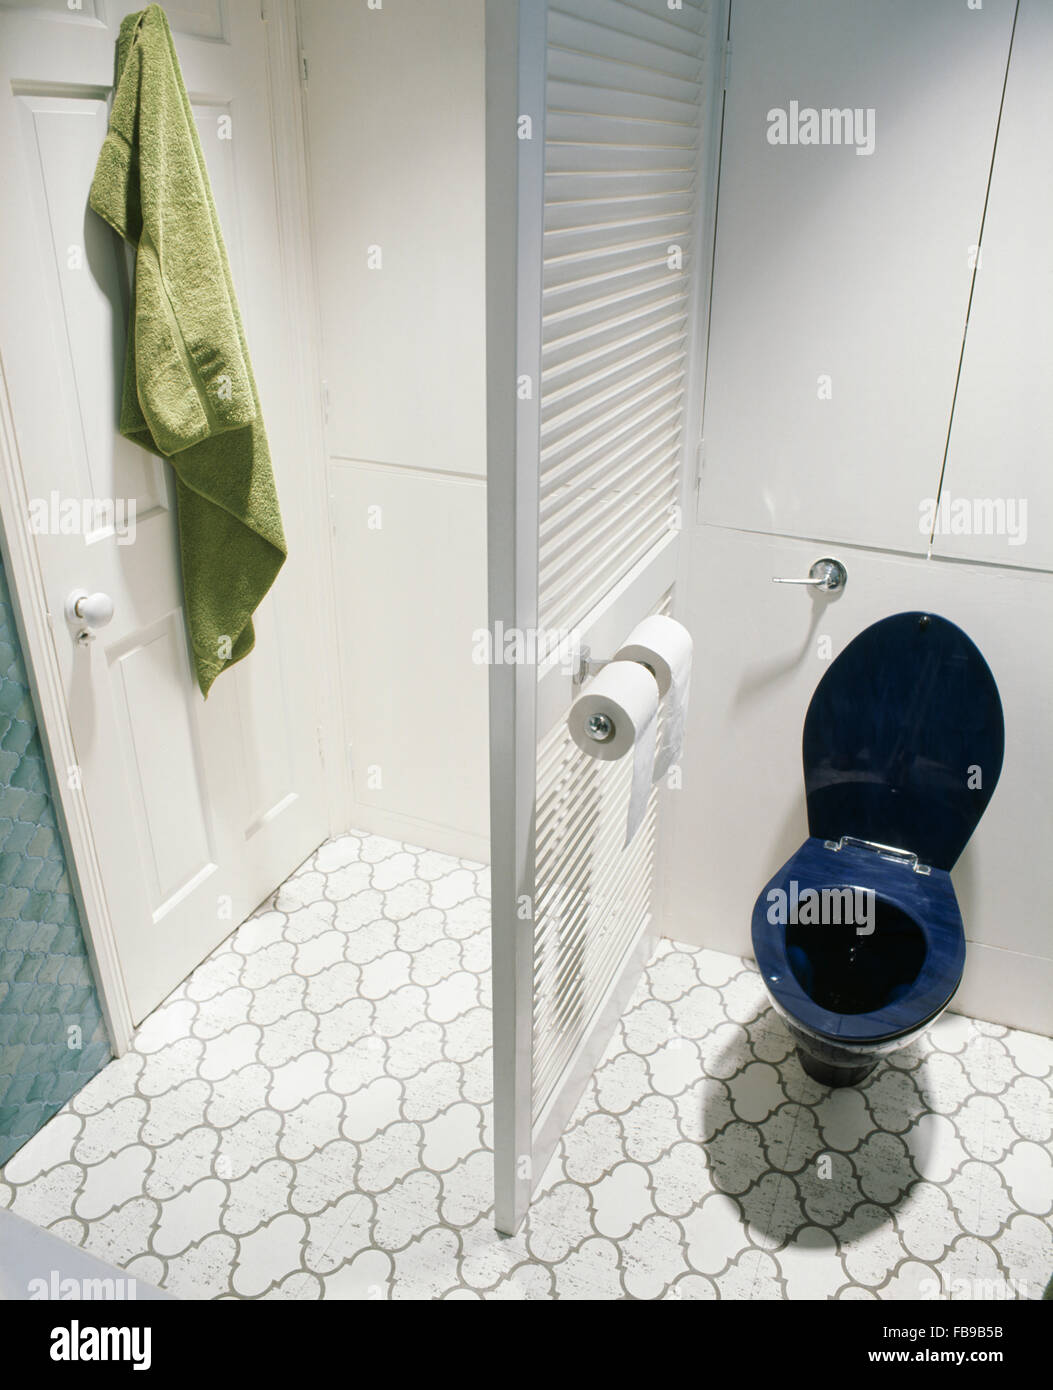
point(599, 119)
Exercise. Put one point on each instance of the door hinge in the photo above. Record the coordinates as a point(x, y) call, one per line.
point(727, 64)
point(303, 66)
point(325, 401)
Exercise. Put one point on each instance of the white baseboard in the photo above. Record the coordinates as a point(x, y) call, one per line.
point(444, 839)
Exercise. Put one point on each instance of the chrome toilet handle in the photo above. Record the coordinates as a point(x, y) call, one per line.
point(830, 576)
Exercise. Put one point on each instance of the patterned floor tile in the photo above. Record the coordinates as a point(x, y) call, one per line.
point(308, 1117)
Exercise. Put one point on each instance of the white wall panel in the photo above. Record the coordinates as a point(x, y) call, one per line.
point(395, 102)
point(395, 107)
point(854, 266)
point(741, 812)
point(1001, 446)
point(410, 565)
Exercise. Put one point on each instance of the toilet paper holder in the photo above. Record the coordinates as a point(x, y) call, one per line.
point(586, 665)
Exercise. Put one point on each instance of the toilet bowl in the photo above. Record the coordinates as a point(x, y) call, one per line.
point(859, 937)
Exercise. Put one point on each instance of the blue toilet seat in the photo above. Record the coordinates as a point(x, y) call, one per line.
point(902, 746)
point(928, 901)
point(903, 739)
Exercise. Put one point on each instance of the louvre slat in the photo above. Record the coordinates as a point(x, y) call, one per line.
point(564, 355)
point(571, 347)
point(586, 471)
point(565, 435)
point(620, 103)
point(587, 561)
point(570, 423)
point(570, 33)
point(586, 288)
point(659, 412)
point(560, 959)
point(556, 833)
point(632, 542)
point(634, 229)
point(637, 476)
point(612, 371)
point(584, 157)
point(587, 70)
point(626, 19)
point(595, 360)
point(588, 214)
point(578, 510)
point(561, 553)
point(575, 185)
point(567, 343)
point(625, 130)
point(562, 933)
point(572, 1005)
point(598, 299)
point(577, 995)
point(600, 846)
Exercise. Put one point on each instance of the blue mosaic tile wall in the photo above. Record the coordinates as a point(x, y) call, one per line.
point(52, 1034)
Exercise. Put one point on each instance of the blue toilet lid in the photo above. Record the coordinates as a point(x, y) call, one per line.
point(903, 739)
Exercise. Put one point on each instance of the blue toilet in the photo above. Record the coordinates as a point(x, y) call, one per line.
point(859, 936)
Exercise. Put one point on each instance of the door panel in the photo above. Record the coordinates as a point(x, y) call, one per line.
point(592, 261)
point(198, 809)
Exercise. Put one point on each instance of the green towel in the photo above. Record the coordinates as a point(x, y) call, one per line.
point(189, 392)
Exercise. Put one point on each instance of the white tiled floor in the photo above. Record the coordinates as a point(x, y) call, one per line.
point(308, 1117)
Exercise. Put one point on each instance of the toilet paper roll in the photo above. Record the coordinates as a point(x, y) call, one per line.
point(625, 695)
point(665, 647)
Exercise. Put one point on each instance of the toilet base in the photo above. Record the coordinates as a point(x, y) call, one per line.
point(828, 1075)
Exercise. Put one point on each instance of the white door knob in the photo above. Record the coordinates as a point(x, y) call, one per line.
point(87, 611)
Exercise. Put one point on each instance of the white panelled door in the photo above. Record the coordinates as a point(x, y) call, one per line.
point(197, 810)
point(598, 136)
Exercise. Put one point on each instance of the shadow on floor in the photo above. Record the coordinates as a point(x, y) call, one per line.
point(793, 1153)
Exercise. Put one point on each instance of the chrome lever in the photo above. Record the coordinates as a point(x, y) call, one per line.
point(828, 575)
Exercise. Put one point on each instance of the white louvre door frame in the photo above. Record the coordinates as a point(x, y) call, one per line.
point(183, 814)
point(597, 145)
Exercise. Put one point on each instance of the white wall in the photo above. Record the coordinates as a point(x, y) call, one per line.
point(395, 101)
point(858, 266)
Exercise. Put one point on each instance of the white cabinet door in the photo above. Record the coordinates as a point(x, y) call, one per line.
point(842, 271)
point(597, 143)
point(997, 499)
point(395, 107)
point(197, 810)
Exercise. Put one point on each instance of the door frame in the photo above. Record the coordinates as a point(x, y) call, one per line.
point(38, 627)
point(515, 83)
